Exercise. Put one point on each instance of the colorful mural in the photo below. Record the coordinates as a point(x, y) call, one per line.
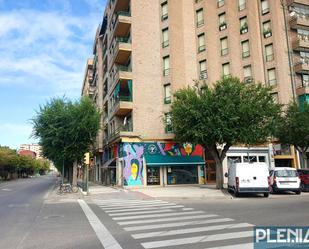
point(133, 164)
point(133, 153)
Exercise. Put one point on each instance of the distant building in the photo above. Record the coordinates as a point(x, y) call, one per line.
point(36, 148)
point(28, 153)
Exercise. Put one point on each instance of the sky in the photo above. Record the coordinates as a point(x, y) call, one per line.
point(44, 46)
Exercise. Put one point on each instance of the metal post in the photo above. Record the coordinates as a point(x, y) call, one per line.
point(87, 182)
point(62, 170)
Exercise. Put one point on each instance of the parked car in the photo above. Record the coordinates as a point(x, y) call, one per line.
point(248, 178)
point(284, 179)
point(304, 179)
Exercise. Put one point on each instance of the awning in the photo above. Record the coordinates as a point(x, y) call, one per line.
point(159, 160)
point(109, 163)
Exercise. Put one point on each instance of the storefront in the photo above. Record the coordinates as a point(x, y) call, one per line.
point(150, 164)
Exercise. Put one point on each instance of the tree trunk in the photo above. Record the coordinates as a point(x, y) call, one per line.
point(74, 175)
point(304, 158)
point(219, 167)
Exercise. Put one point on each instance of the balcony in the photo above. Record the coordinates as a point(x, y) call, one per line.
point(122, 98)
point(122, 24)
point(123, 50)
point(120, 5)
point(290, 2)
point(121, 73)
point(122, 131)
point(303, 89)
point(299, 22)
point(300, 43)
point(302, 66)
point(222, 26)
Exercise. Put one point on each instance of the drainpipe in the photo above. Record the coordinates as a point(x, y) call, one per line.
point(292, 74)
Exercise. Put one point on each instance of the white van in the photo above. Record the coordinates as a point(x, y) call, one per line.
point(248, 178)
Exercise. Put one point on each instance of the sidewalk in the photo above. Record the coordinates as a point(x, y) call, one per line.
point(178, 192)
point(183, 192)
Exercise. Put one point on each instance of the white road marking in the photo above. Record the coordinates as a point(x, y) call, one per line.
point(166, 219)
point(177, 224)
point(190, 230)
point(187, 209)
point(125, 202)
point(131, 203)
point(136, 206)
point(105, 237)
point(157, 215)
point(139, 209)
point(142, 212)
point(197, 239)
point(238, 246)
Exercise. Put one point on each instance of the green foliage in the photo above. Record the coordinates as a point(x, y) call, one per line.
point(11, 161)
point(294, 127)
point(66, 129)
point(230, 113)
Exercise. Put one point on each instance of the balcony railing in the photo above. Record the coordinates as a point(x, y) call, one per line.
point(242, 7)
point(166, 72)
point(123, 128)
point(165, 44)
point(245, 54)
point(248, 79)
point(224, 51)
point(220, 3)
point(167, 100)
point(123, 39)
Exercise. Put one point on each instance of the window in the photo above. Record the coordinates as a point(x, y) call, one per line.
point(167, 94)
point(241, 4)
point(305, 80)
point(220, 3)
point(168, 123)
point(164, 11)
point(166, 65)
point(243, 25)
point(275, 97)
point(201, 43)
point(165, 39)
point(248, 74)
point(199, 17)
point(226, 70)
point(262, 159)
point(267, 29)
point(265, 7)
point(222, 22)
point(203, 70)
point(245, 49)
point(269, 52)
point(271, 74)
point(224, 46)
point(252, 159)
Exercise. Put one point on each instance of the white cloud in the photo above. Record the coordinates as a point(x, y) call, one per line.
point(47, 48)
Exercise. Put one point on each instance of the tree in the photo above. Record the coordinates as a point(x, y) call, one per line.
point(230, 113)
point(66, 129)
point(294, 129)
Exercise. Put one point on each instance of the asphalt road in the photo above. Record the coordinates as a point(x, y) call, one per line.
point(32, 216)
point(138, 222)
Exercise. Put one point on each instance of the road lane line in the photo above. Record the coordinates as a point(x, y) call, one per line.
point(129, 202)
point(197, 239)
point(177, 224)
point(140, 209)
point(142, 212)
point(190, 230)
point(132, 204)
point(137, 206)
point(166, 219)
point(157, 215)
point(105, 237)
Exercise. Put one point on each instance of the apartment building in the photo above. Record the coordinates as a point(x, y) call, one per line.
point(36, 148)
point(146, 50)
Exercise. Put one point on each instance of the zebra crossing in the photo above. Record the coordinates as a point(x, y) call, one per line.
point(162, 224)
